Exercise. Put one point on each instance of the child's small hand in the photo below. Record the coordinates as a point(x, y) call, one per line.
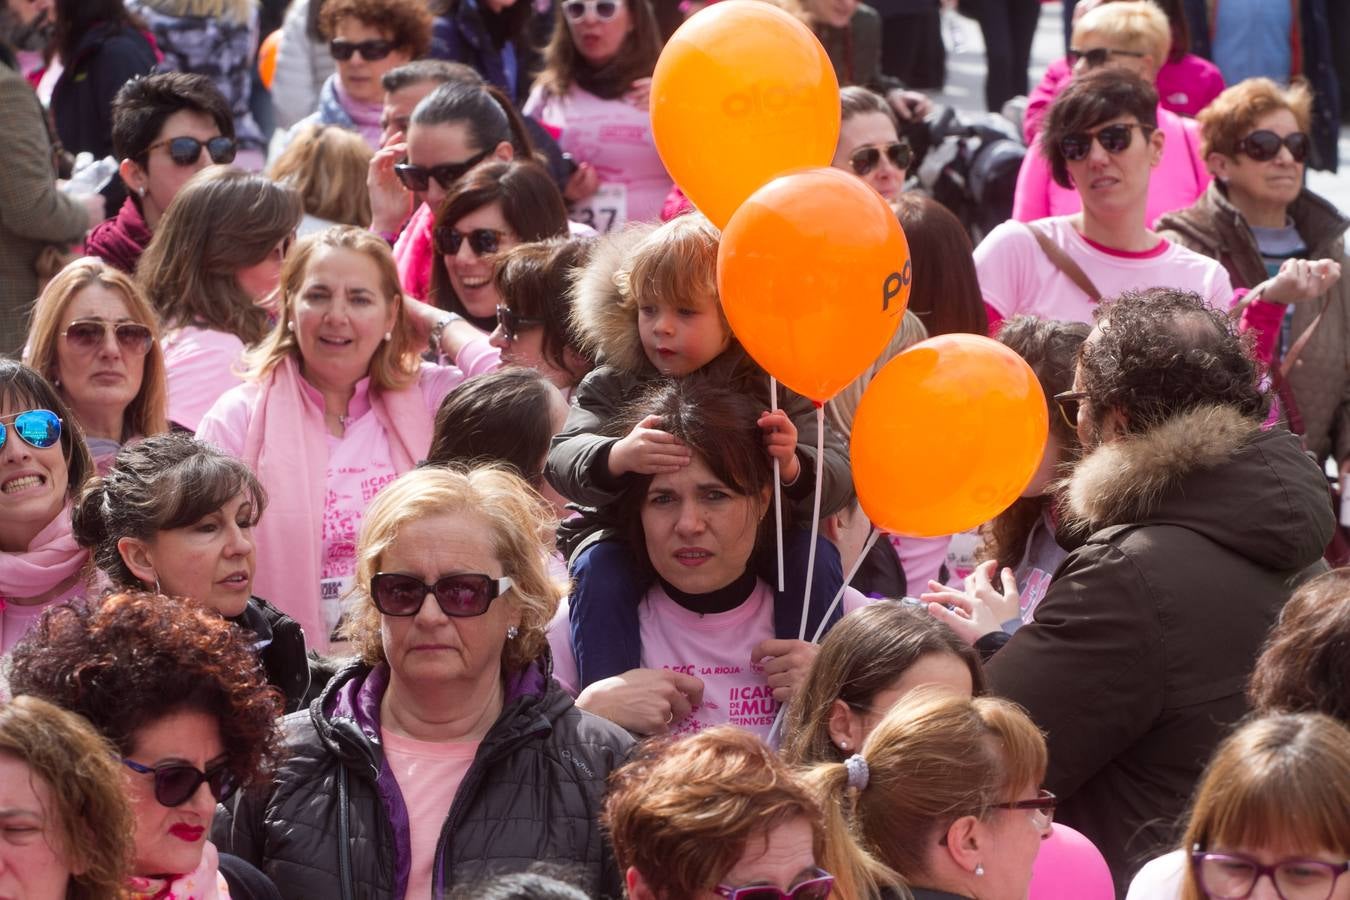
point(780, 440)
point(647, 450)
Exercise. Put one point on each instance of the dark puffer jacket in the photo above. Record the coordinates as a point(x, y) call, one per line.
point(333, 822)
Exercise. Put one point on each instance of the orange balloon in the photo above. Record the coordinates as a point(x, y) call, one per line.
point(743, 92)
point(814, 274)
point(947, 436)
point(267, 58)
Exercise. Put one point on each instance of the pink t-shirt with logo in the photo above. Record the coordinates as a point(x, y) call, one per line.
point(428, 775)
point(201, 365)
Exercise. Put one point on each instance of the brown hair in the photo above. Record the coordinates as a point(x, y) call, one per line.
point(1089, 100)
point(222, 220)
point(855, 100)
point(1305, 666)
point(683, 811)
point(945, 293)
point(131, 658)
point(89, 821)
point(533, 280)
point(328, 166)
point(23, 388)
point(565, 66)
point(395, 362)
point(407, 22)
point(933, 759)
point(1277, 782)
point(499, 417)
point(145, 415)
point(861, 656)
point(1232, 115)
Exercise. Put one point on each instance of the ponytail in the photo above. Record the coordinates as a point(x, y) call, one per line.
point(484, 109)
point(857, 873)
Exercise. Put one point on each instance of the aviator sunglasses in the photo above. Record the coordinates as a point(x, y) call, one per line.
point(418, 178)
point(604, 10)
point(370, 50)
point(1113, 138)
point(87, 335)
point(1265, 145)
point(483, 241)
point(185, 151)
point(818, 887)
point(512, 324)
point(175, 783)
point(38, 428)
point(459, 596)
point(865, 159)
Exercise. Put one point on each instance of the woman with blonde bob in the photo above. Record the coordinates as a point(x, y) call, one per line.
point(337, 404)
point(942, 799)
point(445, 753)
point(1271, 817)
point(328, 166)
point(96, 339)
point(62, 793)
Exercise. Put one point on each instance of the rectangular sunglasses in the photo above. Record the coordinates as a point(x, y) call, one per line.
point(370, 51)
point(185, 151)
point(462, 595)
point(818, 887)
point(418, 178)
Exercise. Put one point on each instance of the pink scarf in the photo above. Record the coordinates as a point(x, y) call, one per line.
point(203, 883)
point(51, 558)
point(287, 446)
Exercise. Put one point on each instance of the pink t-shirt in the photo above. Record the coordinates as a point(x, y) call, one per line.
point(921, 558)
point(201, 365)
point(16, 619)
point(1179, 179)
point(428, 775)
point(715, 648)
point(1017, 278)
point(615, 136)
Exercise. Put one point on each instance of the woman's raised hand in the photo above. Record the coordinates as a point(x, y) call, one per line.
point(1302, 280)
point(391, 204)
point(644, 701)
point(980, 609)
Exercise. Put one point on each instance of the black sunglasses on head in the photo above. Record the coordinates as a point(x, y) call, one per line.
point(175, 783)
point(1113, 138)
point(512, 324)
point(1265, 145)
point(865, 159)
point(483, 241)
point(187, 150)
point(418, 178)
point(370, 50)
point(459, 596)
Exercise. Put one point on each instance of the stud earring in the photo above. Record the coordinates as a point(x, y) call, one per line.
point(388, 336)
point(141, 191)
point(512, 632)
point(979, 869)
point(843, 745)
point(290, 326)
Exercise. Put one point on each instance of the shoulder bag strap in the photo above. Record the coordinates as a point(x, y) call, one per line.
point(1056, 255)
point(1301, 342)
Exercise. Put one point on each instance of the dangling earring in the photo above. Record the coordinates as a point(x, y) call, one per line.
point(141, 190)
point(512, 632)
point(157, 590)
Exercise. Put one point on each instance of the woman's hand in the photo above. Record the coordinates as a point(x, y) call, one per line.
point(647, 450)
point(391, 204)
point(585, 181)
point(1301, 280)
point(422, 317)
point(786, 663)
point(780, 441)
point(640, 94)
point(909, 106)
point(980, 609)
point(644, 701)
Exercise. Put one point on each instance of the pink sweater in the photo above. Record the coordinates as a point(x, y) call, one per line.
point(201, 364)
point(1178, 181)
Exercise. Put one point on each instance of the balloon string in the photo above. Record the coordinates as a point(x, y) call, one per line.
point(777, 488)
point(815, 516)
point(872, 536)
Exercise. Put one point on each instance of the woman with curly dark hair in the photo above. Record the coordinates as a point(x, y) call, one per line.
point(181, 697)
point(1305, 666)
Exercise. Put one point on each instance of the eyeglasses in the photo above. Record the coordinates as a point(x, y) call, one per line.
point(1232, 876)
point(865, 159)
point(185, 151)
point(1042, 807)
point(38, 428)
point(817, 888)
point(459, 596)
point(1098, 56)
point(87, 335)
point(1265, 145)
point(418, 178)
point(604, 10)
point(1068, 403)
point(370, 50)
point(1113, 138)
point(483, 241)
point(175, 783)
point(512, 324)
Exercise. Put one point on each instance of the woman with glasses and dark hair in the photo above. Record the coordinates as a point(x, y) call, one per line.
point(179, 694)
point(594, 93)
point(445, 753)
point(1271, 818)
point(97, 340)
point(1257, 218)
point(869, 142)
point(43, 464)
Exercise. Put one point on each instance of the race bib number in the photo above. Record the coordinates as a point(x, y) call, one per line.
point(605, 210)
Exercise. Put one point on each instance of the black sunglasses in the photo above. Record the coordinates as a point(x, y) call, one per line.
point(1098, 56)
point(483, 241)
point(1265, 145)
point(512, 324)
point(459, 596)
point(1068, 403)
point(370, 50)
point(187, 150)
point(88, 335)
point(175, 783)
point(418, 178)
point(1113, 138)
point(865, 159)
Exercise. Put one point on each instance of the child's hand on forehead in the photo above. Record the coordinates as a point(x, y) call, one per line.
point(780, 440)
point(647, 450)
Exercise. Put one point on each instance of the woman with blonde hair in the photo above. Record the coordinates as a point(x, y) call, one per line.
point(943, 798)
point(211, 265)
point(96, 339)
point(63, 806)
point(445, 753)
point(328, 166)
point(337, 404)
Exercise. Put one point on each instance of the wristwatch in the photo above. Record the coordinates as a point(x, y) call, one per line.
point(439, 329)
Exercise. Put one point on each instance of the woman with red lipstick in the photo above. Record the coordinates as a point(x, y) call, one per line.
point(176, 516)
point(181, 698)
point(43, 463)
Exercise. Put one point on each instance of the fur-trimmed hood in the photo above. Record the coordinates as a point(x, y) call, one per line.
point(605, 323)
point(1216, 472)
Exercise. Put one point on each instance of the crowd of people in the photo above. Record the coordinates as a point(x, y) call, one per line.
point(388, 508)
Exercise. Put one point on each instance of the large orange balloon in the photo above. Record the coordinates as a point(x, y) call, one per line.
point(743, 92)
point(947, 436)
point(814, 274)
